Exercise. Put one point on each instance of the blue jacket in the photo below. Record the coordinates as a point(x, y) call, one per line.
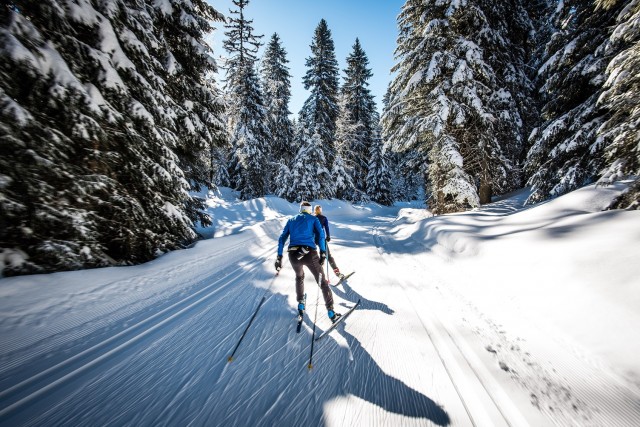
point(304, 229)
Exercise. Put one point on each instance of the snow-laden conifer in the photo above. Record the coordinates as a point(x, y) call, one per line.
point(621, 129)
point(320, 109)
point(449, 104)
point(379, 188)
point(276, 83)
point(95, 171)
point(358, 111)
point(310, 179)
point(565, 151)
point(342, 170)
point(195, 99)
point(247, 116)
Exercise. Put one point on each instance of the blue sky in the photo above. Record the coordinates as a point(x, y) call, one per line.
point(373, 22)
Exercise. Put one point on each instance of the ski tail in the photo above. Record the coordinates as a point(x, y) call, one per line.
point(337, 322)
point(344, 279)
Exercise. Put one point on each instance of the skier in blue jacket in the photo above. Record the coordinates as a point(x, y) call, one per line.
point(304, 230)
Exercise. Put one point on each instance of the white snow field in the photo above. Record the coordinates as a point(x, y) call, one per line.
point(505, 316)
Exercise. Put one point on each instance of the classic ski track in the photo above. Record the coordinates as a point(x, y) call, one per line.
point(22, 343)
point(380, 243)
point(588, 373)
point(570, 390)
point(275, 350)
point(69, 368)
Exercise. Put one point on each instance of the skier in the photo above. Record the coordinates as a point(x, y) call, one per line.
point(304, 230)
point(325, 225)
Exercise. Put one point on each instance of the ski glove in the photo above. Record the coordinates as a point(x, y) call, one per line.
point(279, 263)
point(323, 256)
point(328, 239)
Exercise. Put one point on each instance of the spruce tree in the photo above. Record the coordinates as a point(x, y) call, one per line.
point(359, 112)
point(320, 110)
point(403, 166)
point(620, 99)
point(447, 101)
point(276, 83)
point(379, 187)
point(403, 109)
point(310, 178)
point(247, 115)
point(94, 168)
point(509, 52)
point(566, 152)
point(342, 171)
point(193, 94)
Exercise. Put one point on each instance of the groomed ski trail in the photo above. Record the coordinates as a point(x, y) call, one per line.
point(417, 352)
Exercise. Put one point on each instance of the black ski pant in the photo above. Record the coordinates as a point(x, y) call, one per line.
point(312, 261)
point(332, 262)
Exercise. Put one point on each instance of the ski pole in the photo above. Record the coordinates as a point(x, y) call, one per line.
point(230, 358)
point(327, 260)
point(315, 319)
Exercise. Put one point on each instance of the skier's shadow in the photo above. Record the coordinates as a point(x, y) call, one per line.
point(365, 304)
point(379, 388)
point(282, 390)
point(361, 376)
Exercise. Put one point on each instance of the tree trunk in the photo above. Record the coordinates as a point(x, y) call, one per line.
point(486, 192)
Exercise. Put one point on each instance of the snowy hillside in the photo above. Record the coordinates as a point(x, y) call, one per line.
point(502, 316)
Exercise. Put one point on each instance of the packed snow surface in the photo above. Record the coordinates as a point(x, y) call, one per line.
point(507, 315)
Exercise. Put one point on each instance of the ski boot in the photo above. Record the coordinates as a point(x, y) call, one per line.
point(333, 316)
point(336, 271)
point(301, 307)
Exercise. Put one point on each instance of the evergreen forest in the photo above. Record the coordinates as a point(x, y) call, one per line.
point(115, 118)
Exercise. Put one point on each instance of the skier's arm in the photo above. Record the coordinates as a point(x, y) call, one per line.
point(283, 238)
point(320, 233)
point(326, 227)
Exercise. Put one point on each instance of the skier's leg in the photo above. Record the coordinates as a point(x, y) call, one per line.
point(312, 261)
point(332, 262)
point(298, 269)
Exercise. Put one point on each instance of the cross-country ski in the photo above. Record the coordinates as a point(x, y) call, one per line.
point(337, 322)
point(344, 278)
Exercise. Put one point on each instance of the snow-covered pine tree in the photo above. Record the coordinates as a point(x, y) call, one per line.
point(566, 152)
point(509, 52)
point(620, 98)
point(247, 115)
point(379, 187)
point(89, 172)
point(276, 83)
point(403, 108)
point(310, 179)
point(406, 181)
point(194, 99)
point(284, 177)
point(445, 100)
point(342, 170)
point(359, 111)
point(320, 110)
